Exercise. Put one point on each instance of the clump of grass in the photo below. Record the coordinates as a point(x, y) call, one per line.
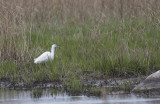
point(73, 86)
point(96, 91)
point(126, 86)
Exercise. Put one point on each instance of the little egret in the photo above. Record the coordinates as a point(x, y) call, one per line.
point(46, 56)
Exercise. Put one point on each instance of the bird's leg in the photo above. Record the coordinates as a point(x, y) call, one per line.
point(44, 64)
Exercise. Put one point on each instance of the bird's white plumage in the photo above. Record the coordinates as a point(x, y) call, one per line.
point(46, 56)
point(42, 58)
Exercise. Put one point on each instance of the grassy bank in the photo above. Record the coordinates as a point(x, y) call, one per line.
point(102, 47)
point(114, 49)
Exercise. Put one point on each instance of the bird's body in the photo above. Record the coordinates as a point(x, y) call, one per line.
point(46, 56)
point(43, 57)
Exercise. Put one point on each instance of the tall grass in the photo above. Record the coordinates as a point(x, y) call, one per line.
point(109, 38)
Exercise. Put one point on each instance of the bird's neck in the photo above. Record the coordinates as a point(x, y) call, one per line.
point(52, 53)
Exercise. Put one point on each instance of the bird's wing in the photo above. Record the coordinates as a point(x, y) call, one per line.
point(42, 58)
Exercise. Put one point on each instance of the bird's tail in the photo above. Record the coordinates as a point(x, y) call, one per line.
point(35, 60)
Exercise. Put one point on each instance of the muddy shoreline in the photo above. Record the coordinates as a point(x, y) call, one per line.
point(90, 86)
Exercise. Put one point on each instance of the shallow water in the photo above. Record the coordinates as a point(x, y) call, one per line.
point(54, 97)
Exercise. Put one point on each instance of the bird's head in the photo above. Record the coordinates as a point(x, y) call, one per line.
point(54, 45)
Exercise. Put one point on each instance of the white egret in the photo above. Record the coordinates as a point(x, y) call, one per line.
point(46, 56)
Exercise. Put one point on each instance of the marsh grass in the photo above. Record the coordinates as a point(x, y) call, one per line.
point(108, 39)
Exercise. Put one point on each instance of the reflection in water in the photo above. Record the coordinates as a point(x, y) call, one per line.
point(36, 93)
point(48, 96)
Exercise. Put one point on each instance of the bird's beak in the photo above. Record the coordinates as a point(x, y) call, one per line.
point(58, 46)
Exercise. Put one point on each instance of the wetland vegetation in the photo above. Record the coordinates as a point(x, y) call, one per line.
point(100, 39)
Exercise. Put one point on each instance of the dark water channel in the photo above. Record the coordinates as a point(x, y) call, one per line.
point(54, 97)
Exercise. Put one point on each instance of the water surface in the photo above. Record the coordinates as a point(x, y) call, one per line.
point(54, 97)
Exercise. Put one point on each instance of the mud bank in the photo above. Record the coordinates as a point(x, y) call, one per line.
point(90, 86)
